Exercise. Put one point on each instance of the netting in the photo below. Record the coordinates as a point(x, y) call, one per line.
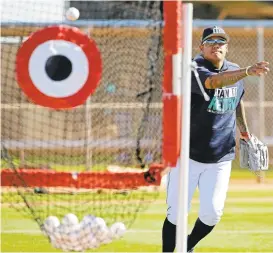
point(56, 161)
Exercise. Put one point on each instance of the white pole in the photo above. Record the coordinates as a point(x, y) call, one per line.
point(88, 125)
point(88, 134)
point(182, 219)
point(22, 155)
point(260, 47)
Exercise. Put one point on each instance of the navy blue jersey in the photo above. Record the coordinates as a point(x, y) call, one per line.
point(213, 122)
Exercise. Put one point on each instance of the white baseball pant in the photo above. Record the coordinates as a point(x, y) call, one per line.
point(212, 180)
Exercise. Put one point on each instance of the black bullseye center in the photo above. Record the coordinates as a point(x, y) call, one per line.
point(58, 67)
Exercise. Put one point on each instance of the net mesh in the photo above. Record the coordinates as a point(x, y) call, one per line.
point(118, 126)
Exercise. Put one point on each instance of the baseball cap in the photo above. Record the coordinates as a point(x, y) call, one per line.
point(214, 31)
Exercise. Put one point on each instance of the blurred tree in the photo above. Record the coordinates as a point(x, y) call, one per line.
point(232, 9)
point(203, 9)
point(119, 9)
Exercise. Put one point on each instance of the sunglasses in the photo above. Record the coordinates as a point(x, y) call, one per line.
point(211, 42)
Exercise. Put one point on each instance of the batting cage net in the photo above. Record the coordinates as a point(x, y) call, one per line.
point(81, 116)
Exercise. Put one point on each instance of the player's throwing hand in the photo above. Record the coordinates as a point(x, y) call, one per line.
point(258, 69)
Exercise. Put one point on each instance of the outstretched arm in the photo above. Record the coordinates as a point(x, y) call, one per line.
point(241, 121)
point(230, 77)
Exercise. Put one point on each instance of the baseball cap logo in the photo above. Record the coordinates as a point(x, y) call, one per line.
point(217, 29)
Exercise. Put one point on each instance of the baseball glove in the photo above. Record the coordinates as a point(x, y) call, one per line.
point(253, 154)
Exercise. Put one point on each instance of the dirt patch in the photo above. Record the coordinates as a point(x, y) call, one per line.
point(251, 184)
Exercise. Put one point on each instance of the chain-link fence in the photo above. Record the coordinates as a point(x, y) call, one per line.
point(248, 45)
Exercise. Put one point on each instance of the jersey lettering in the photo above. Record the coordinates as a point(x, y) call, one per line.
point(224, 100)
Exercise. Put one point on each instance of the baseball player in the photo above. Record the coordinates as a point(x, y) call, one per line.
point(212, 136)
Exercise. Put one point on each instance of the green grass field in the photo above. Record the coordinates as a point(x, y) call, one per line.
point(247, 224)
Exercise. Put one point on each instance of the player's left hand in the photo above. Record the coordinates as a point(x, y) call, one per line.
point(253, 154)
point(245, 136)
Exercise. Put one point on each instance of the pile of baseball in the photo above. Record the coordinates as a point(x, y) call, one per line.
point(72, 235)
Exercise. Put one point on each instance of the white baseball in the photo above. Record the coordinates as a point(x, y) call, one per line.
point(72, 14)
point(70, 219)
point(117, 230)
point(50, 223)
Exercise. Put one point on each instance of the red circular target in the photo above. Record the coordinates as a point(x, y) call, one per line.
point(58, 67)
